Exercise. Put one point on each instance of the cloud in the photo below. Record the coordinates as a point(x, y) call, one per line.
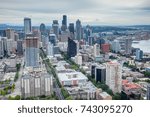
point(88, 11)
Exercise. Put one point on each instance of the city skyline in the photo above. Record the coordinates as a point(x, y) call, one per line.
point(93, 12)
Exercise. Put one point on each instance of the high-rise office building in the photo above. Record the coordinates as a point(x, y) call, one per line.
point(19, 47)
point(72, 49)
point(10, 33)
point(96, 50)
point(4, 40)
point(71, 29)
point(16, 36)
point(100, 74)
point(32, 51)
point(64, 23)
point(11, 46)
point(1, 48)
point(148, 92)
point(116, 46)
point(44, 39)
point(114, 76)
point(42, 29)
point(55, 27)
point(27, 26)
point(64, 36)
point(50, 49)
point(78, 29)
point(93, 66)
point(56, 50)
point(139, 54)
point(82, 33)
point(88, 32)
point(3, 33)
point(91, 40)
point(128, 46)
point(52, 39)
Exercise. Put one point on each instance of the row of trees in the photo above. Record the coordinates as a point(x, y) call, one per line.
point(43, 97)
point(66, 94)
point(17, 97)
point(146, 74)
point(18, 66)
point(7, 90)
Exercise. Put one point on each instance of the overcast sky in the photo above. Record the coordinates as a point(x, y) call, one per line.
point(93, 12)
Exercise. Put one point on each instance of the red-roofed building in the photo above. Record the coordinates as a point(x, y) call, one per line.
point(131, 89)
point(105, 48)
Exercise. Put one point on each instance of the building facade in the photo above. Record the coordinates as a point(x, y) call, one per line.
point(27, 26)
point(100, 74)
point(32, 52)
point(36, 84)
point(148, 92)
point(78, 29)
point(72, 48)
point(114, 76)
point(55, 27)
point(139, 54)
point(50, 49)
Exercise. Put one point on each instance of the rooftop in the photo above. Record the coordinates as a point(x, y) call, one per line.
point(129, 85)
point(104, 95)
point(71, 76)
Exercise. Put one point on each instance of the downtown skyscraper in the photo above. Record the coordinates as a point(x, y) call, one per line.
point(55, 27)
point(64, 23)
point(31, 52)
point(78, 29)
point(27, 26)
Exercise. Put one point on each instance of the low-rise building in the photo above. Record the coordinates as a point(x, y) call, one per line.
point(2, 67)
point(11, 65)
point(132, 90)
point(86, 91)
point(103, 96)
point(71, 78)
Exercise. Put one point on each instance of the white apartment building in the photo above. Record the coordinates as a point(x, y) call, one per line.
point(114, 76)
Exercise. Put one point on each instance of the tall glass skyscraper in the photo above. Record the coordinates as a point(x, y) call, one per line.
point(78, 29)
point(55, 27)
point(27, 25)
point(72, 48)
point(64, 23)
point(31, 52)
point(42, 29)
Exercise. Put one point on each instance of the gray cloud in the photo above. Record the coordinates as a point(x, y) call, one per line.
point(89, 11)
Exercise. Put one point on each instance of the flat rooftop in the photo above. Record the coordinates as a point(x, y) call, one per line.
point(104, 94)
point(71, 76)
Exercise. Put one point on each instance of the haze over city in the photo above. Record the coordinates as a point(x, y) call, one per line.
point(93, 12)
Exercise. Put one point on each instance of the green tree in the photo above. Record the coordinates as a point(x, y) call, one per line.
point(18, 66)
point(17, 97)
point(13, 87)
point(69, 98)
point(10, 98)
point(3, 92)
point(109, 91)
point(117, 96)
point(16, 76)
point(64, 92)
